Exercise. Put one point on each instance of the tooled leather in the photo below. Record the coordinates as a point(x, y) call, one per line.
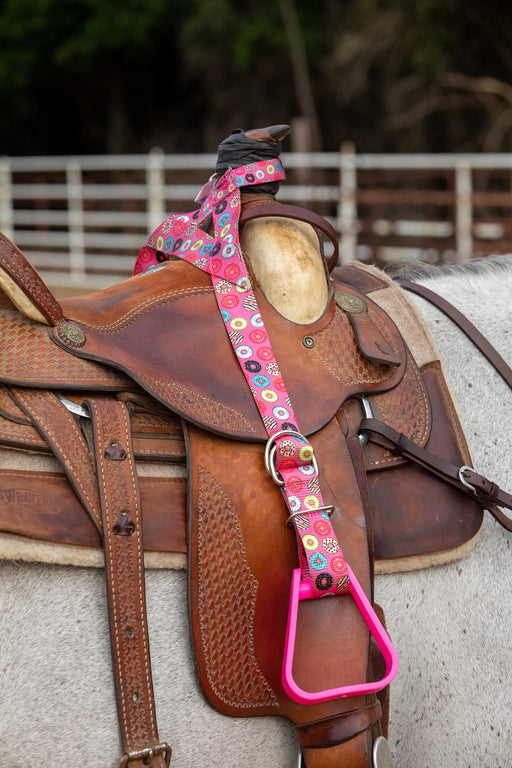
point(336, 347)
point(271, 553)
point(9, 409)
point(60, 430)
point(201, 407)
point(155, 438)
point(227, 624)
point(29, 357)
point(18, 435)
point(407, 409)
point(125, 580)
point(29, 280)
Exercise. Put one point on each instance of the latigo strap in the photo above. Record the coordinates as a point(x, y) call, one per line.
point(124, 566)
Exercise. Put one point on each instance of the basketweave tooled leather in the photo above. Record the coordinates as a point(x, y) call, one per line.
point(24, 274)
point(156, 437)
point(124, 567)
point(331, 336)
point(239, 591)
point(457, 519)
point(65, 520)
point(28, 357)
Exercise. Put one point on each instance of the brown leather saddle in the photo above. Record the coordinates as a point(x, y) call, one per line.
point(143, 374)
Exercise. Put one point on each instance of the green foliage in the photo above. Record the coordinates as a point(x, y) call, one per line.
point(106, 75)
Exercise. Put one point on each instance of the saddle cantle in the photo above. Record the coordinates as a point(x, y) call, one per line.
point(123, 386)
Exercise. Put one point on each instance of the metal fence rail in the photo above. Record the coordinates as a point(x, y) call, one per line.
point(81, 220)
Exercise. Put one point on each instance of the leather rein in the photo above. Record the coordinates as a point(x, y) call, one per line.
point(488, 494)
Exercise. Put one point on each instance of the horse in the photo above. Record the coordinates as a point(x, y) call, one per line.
point(450, 623)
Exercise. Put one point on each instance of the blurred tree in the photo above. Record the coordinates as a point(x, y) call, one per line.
point(395, 75)
point(393, 62)
point(78, 74)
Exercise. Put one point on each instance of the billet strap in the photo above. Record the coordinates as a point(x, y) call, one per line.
point(301, 214)
point(488, 494)
point(466, 326)
point(124, 566)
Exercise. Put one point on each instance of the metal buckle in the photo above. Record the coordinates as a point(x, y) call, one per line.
point(271, 451)
point(148, 753)
point(463, 479)
point(381, 753)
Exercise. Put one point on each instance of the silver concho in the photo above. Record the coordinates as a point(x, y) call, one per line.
point(381, 753)
point(349, 303)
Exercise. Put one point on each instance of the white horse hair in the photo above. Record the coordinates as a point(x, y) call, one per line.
point(451, 701)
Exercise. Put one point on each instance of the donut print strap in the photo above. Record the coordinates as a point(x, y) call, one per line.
point(290, 455)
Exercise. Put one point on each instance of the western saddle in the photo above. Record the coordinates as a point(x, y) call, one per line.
point(144, 371)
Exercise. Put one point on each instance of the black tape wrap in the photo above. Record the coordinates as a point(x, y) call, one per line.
point(238, 150)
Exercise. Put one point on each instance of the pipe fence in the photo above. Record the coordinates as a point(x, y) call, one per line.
point(81, 220)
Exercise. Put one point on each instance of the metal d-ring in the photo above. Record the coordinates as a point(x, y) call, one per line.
point(271, 451)
point(368, 414)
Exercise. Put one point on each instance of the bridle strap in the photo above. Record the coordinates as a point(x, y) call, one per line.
point(294, 212)
point(466, 326)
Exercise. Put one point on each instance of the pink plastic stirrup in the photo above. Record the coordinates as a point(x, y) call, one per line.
point(301, 590)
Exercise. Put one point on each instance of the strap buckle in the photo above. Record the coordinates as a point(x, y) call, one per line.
point(463, 479)
point(301, 590)
point(271, 451)
point(148, 754)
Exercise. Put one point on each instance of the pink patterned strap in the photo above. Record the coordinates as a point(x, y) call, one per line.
point(293, 464)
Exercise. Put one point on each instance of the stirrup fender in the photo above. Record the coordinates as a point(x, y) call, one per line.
point(301, 590)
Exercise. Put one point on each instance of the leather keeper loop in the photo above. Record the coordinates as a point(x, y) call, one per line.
point(335, 730)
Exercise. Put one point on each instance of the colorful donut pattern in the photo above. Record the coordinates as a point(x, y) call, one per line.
point(220, 255)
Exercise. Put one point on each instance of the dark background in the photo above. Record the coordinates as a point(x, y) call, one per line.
point(96, 76)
